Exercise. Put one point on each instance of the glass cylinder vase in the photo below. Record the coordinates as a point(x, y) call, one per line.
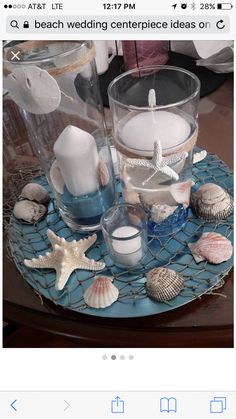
point(155, 129)
point(55, 85)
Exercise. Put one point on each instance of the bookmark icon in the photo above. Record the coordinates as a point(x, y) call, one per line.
point(168, 405)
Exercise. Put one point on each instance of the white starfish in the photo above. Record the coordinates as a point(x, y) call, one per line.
point(158, 163)
point(66, 257)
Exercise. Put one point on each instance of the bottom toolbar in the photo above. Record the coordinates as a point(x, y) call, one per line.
point(130, 405)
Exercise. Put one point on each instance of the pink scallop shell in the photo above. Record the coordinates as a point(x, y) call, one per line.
point(102, 293)
point(212, 247)
point(181, 192)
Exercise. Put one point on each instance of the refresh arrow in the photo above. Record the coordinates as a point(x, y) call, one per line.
point(12, 405)
point(220, 24)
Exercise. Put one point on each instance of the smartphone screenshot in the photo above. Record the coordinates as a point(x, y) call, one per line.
point(117, 210)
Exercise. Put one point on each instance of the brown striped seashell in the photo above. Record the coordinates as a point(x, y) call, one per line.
point(35, 192)
point(212, 203)
point(212, 247)
point(103, 173)
point(163, 284)
point(102, 293)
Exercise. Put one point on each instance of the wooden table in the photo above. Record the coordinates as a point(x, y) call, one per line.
point(207, 322)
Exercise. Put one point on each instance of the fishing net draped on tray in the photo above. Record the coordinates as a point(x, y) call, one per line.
point(29, 241)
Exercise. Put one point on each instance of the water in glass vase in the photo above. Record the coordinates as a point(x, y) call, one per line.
point(165, 200)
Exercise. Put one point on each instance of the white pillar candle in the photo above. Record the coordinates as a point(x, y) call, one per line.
point(77, 158)
point(127, 252)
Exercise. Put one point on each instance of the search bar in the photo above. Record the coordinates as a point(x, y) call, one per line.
point(118, 24)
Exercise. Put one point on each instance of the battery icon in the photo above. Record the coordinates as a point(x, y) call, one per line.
point(224, 6)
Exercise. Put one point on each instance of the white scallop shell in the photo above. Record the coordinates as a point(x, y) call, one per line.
point(161, 212)
point(56, 177)
point(212, 247)
point(163, 284)
point(29, 211)
point(181, 192)
point(35, 192)
point(199, 156)
point(103, 173)
point(212, 203)
point(102, 293)
point(34, 89)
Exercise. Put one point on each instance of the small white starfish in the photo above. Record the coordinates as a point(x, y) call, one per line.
point(158, 163)
point(66, 257)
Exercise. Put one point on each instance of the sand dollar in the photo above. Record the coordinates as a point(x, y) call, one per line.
point(34, 90)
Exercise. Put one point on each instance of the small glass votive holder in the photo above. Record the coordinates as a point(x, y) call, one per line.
point(124, 228)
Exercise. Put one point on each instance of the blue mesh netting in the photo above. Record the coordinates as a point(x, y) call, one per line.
point(28, 241)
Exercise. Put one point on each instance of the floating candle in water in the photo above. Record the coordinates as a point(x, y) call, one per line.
point(142, 130)
point(127, 252)
point(77, 158)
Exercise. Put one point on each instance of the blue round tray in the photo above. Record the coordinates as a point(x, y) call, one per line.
point(28, 241)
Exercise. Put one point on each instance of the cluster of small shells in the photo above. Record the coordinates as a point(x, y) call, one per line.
point(32, 204)
point(212, 203)
point(161, 212)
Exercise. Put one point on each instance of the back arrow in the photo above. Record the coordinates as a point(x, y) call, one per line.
point(12, 405)
point(67, 405)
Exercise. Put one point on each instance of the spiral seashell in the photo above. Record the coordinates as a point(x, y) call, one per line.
point(163, 284)
point(29, 211)
point(102, 293)
point(35, 192)
point(212, 247)
point(103, 173)
point(212, 203)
